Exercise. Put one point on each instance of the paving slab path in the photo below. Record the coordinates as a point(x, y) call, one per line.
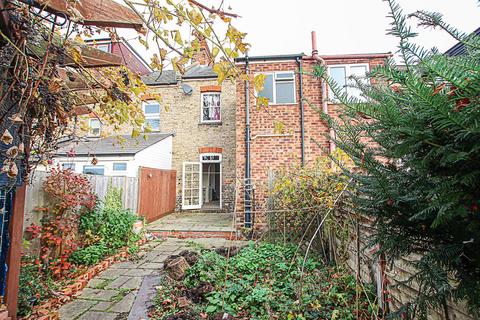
point(126, 290)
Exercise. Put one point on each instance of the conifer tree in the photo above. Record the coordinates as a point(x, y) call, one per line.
point(415, 137)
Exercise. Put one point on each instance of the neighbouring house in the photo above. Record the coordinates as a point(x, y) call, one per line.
point(459, 48)
point(117, 155)
point(198, 116)
point(201, 114)
point(130, 57)
point(294, 95)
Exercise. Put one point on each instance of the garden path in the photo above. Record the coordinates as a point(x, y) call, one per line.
point(126, 289)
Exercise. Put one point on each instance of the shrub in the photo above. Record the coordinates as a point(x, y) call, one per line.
point(89, 255)
point(419, 160)
point(301, 196)
point(69, 195)
point(106, 229)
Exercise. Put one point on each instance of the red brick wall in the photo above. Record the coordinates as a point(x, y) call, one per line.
point(272, 153)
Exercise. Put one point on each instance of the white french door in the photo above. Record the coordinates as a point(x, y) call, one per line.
point(192, 185)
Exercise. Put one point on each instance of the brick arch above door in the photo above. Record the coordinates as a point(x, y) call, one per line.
point(210, 150)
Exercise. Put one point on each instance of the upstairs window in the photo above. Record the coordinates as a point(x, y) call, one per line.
point(151, 110)
point(342, 75)
point(211, 111)
point(94, 127)
point(279, 87)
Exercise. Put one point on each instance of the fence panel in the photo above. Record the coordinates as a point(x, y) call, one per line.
point(36, 197)
point(157, 193)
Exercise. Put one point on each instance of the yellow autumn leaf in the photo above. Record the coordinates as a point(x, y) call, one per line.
point(143, 42)
point(262, 102)
point(215, 52)
point(76, 54)
point(178, 37)
point(79, 39)
point(259, 81)
point(135, 133)
point(278, 127)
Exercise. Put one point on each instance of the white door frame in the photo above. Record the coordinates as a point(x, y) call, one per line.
point(219, 161)
point(200, 187)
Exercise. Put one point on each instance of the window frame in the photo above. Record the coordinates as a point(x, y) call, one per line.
point(201, 107)
point(154, 116)
point(90, 133)
point(210, 154)
point(121, 163)
point(347, 66)
point(274, 89)
point(92, 166)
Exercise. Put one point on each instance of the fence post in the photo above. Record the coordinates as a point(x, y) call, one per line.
point(15, 251)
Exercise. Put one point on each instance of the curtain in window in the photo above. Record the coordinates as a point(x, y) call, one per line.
point(211, 107)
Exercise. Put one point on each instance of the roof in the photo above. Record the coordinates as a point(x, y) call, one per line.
point(169, 77)
point(459, 49)
point(111, 146)
point(157, 77)
point(199, 72)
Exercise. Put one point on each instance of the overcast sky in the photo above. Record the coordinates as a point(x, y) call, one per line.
point(342, 26)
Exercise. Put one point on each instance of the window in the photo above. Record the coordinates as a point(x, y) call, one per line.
point(120, 166)
point(342, 74)
point(103, 47)
point(68, 166)
point(95, 170)
point(151, 111)
point(279, 88)
point(211, 107)
point(95, 127)
point(210, 157)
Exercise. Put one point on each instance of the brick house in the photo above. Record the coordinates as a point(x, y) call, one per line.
point(291, 95)
point(201, 116)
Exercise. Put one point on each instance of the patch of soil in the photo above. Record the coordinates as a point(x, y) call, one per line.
point(197, 294)
point(228, 251)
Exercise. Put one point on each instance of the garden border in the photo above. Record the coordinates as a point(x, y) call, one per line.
point(79, 283)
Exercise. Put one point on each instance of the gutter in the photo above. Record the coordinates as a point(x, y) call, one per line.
point(321, 61)
point(302, 117)
point(248, 199)
point(270, 57)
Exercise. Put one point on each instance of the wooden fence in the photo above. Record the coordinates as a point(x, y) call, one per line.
point(152, 200)
point(158, 193)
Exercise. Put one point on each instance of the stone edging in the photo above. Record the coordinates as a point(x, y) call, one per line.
point(44, 311)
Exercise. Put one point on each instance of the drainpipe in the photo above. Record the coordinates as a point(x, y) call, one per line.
point(302, 118)
point(248, 199)
point(320, 60)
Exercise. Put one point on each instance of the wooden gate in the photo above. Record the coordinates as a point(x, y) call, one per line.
point(156, 193)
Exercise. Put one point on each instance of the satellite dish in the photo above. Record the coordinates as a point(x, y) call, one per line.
point(187, 89)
